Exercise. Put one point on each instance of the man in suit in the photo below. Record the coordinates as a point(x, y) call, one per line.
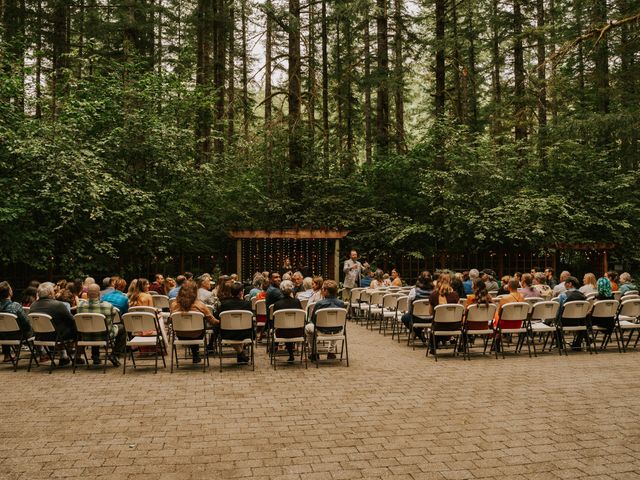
point(60, 315)
point(273, 293)
point(329, 300)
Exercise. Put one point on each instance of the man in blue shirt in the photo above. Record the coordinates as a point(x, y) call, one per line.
point(468, 283)
point(117, 298)
point(173, 293)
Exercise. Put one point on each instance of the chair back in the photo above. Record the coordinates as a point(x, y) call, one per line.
point(90, 323)
point(26, 310)
point(462, 301)
point(271, 311)
point(236, 320)
point(533, 300)
point(260, 307)
point(421, 308)
point(161, 302)
point(139, 321)
point(331, 317)
point(289, 318)
point(605, 309)
point(365, 296)
point(616, 295)
point(493, 293)
point(629, 296)
point(187, 321)
point(513, 314)
point(153, 293)
point(310, 308)
point(390, 301)
point(9, 323)
point(630, 308)
point(630, 292)
point(304, 303)
point(480, 316)
point(403, 304)
point(41, 323)
point(355, 294)
point(376, 298)
point(544, 311)
point(576, 310)
point(145, 309)
point(591, 295)
point(247, 297)
point(447, 317)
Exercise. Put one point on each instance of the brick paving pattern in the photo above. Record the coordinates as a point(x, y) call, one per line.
point(392, 414)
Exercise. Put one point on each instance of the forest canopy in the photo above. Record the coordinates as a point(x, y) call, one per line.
point(147, 128)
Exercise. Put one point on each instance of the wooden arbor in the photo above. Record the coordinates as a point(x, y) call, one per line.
point(314, 252)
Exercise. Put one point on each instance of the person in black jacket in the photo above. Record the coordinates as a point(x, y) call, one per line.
point(288, 301)
point(60, 315)
point(236, 302)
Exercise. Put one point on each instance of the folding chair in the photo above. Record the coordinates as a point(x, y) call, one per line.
point(354, 302)
point(401, 308)
point(603, 312)
point(446, 322)
point(136, 322)
point(330, 320)
point(232, 322)
point(15, 338)
point(533, 300)
point(159, 316)
point(574, 319)
point(389, 305)
point(283, 320)
point(541, 321)
point(161, 303)
point(513, 320)
point(617, 295)
point(92, 332)
point(374, 313)
point(304, 303)
point(629, 293)
point(478, 322)
point(43, 332)
point(420, 310)
point(627, 320)
point(260, 308)
point(192, 327)
point(363, 304)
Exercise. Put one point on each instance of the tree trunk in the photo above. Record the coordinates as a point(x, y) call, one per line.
point(401, 145)
point(325, 85)
point(439, 97)
point(267, 72)
point(220, 16)
point(231, 75)
point(203, 79)
point(38, 86)
point(13, 18)
point(472, 98)
point(367, 86)
point(456, 64)
point(59, 58)
point(518, 73)
point(496, 87)
point(542, 82)
point(382, 101)
point(245, 73)
point(294, 91)
point(601, 59)
point(311, 77)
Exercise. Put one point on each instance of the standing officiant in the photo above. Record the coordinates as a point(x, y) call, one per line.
point(352, 269)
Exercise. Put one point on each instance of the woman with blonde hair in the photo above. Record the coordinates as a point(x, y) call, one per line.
point(139, 293)
point(443, 294)
point(589, 284)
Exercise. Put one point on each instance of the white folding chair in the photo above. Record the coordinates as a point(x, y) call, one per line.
point(330, 326)
point(478, 322)
point(191, 326)
point(374, 313)
point(136, 323)
point(513, 320)
point(354, 301)
point(92, 332)
point(44, 331)
point(446, 322)
point(232, 322)
point(627, 321)
point(389, 305)
point(541, 321)
point(401, 308)
point(574, 320)
point(283, 320)
point(161, 302)
point(420, 318)
point(15, 338)
point(602, 318)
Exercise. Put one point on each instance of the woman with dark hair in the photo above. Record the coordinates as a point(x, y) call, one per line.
point(480, 295)
point(289, 301)
point(187, 301)
point(9, 306)
point(422, 291)
point(29, 296)
point(139, 294)
point(396, 280)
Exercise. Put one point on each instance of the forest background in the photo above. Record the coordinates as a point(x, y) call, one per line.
point(139, 130)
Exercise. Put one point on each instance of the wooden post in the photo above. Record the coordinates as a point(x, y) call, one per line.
point(336, 261)
point(239, 259)
point(606, 262)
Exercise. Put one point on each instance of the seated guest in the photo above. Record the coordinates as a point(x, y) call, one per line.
point(317, 289)
point(626, 283)
point(257, 285)
point(386, 280)
point(169, 284)
point(456, 284)
point(139, 294)
point(204, 288)
point(116, 331)
point(488, 276)
point(61, 318)
point(365, 282)
point(504, 285)
point(158, 285)
point(29, 295)
point(67, 296)
point(612, 275)
point(262, 319)
point(9, 306)
point(422, 291)
point(540, 284)
point(526, 287)
point(85, 285)
point(570, 294)
point(173, 293)
point(378, 279)
point(480, 295)
point(604, 289)
point(117, 298)
point(468, 280)
point(307, 289)
point(512, 297)
point(298, 281)
point(442, 295)
point(396, 281)
point(273, 292)
point(187, 301)
point(329, 300)
point(107, 285)
point(288, 301)
point(236, 302)
point(589, 284)
point(560, 287)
